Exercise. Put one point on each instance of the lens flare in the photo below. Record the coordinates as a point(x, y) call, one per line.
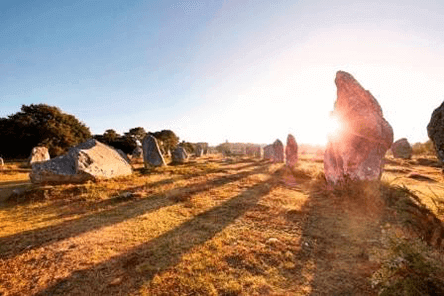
point(335, 127)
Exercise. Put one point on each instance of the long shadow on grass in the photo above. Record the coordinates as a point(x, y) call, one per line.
point(143, 262)
point(336, 239)
point(16, 244)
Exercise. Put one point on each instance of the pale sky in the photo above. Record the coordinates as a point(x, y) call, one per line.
point(242, 71)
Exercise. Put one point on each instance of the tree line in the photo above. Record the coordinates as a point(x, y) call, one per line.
point(44, 125)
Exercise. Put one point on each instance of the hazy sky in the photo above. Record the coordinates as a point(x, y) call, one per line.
point(243, 71)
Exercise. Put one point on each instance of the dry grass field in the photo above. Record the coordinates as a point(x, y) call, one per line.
point(224, 226)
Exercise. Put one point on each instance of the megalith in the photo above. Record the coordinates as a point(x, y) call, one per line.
point(356, 148)
point(38, 154)
point(268, 152)
point(179, 155)
point(90, 160)
point(435, 131)
point(278, 151)
point(199, 151)
point(402, 149)
point(151, 152)
point(291, 151)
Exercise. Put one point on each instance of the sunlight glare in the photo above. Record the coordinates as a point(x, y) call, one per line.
point(335, 127)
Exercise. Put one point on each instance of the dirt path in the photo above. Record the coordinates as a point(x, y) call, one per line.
point(240, 228)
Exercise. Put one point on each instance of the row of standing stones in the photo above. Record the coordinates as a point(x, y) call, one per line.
point(355, 152)
point(93, 160)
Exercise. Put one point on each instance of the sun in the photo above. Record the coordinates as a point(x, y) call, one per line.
point(335, 127)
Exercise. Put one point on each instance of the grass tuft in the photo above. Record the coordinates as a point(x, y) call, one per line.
point(409, 267)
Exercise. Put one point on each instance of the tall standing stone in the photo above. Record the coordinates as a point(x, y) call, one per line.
point(435, 130)
point(291, 151)
point(199, 151)
point(402, 149)
point(38, 154)
point(356, 149)
point(278, 151)
point(151, 152)
point(268, 152)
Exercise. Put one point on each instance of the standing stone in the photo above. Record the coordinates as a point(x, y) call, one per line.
point(38, 154)
point(268, 152)
point(402, 149)
point(435, 130)
point(137, 152)
point(90, 160)
point(2, 163)
point(356, 149)
point(151, 152)
point(278, 151)
point(291, 151)
point(199, 151)
point(179, 155)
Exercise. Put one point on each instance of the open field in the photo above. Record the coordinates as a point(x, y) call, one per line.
point(214, 226)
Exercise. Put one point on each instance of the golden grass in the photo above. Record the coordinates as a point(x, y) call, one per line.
point(214, 226)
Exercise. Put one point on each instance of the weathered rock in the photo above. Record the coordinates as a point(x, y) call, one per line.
point(179, 155)
point(356, 149)
point(291, 151)
point(38, 154)
point(278, 151)
point(2, 163)
point(151, 152)
point(435, 130)
point(268, 152)
point(402, 149)
point(199, 151)
point(124, 155)
point(90, 160)
point(137, 152)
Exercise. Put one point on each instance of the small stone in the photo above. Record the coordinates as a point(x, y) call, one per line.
point(402, 149)
point(38, 154)
point(272, 240)
point(179, 155)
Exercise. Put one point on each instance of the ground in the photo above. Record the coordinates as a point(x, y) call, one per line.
point(213, 226)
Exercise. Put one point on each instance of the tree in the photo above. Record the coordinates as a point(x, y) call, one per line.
point(110, 136)
point(138, 133)
point(40, 124)
point(168, 138)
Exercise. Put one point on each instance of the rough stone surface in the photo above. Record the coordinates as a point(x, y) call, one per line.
point(90, 160)
point(179, 155)
point(2, 163)
point(151, 152)
point(402, 149)
point(268, 152)
point(137, 152)
point(435, 130)
point(291, 151)
point(199, 151)
point(356, 149)
point(38, 154)
point(278, 151)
